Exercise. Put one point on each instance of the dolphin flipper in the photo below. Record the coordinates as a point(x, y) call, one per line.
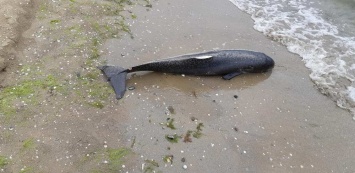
point(117, 77)
point(229, 76)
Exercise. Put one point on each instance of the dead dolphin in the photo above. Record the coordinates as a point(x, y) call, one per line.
point(228, 63)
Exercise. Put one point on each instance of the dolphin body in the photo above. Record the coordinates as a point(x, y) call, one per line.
point(227, 63)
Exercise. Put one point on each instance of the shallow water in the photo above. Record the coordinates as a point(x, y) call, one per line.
point(321, 32)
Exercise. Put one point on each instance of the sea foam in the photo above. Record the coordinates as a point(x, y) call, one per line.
point(303, 29)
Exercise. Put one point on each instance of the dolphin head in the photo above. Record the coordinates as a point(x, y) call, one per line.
point(261, 63)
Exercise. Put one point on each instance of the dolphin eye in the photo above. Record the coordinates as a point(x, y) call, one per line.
point(249, 68)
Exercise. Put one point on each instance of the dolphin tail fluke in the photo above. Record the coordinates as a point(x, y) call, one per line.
point(117, 77)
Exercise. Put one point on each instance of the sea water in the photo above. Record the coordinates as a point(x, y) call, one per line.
point(322, 32)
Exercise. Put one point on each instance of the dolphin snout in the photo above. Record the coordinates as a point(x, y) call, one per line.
point(269, 62)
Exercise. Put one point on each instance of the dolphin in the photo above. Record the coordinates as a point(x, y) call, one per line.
point(227, 63)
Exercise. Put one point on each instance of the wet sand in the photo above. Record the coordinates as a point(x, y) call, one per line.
point(278, 123)
point(273, 122)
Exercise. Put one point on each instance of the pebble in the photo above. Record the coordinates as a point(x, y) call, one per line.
point(185, 167)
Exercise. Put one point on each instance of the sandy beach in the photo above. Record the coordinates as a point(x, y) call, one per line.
point(272, 122)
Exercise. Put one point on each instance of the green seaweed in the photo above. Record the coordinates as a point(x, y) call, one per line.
point(28, 144)
point(199, 127)
point(124, 27)
point(92, 75)
point(97, 104)
point(170, 124)
point(6, 109)
point(172, 138)
point(53, 22)
point(23, 89)
point(197, 133)
point(3, 162)
point(115, 157)
point(168, 159)
point(97, 92)
point(95, 53)
point(27, 91)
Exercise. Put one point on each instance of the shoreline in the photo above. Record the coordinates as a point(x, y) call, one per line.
point(71, 122)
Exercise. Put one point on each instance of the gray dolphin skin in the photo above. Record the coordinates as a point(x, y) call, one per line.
point(226, 63)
